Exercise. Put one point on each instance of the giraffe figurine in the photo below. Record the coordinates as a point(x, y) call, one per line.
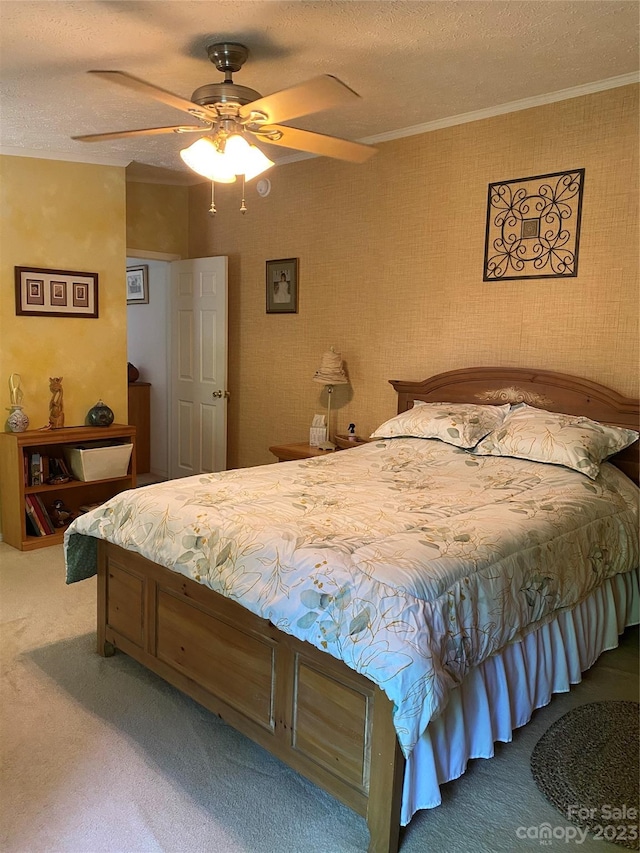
point(56, 404)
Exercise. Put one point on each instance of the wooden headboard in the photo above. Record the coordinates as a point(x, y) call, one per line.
point(556, 392)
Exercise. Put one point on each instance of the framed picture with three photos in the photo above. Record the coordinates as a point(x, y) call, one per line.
point(282, 286)
point(56, 293)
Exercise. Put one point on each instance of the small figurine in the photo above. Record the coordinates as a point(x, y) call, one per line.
point(56, 405)
point(18, 420)
point(15, 389)
point(57, 472)
point(351, 429)
point(60, 515)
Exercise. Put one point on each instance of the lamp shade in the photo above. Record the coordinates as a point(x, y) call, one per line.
point(245, 159)
point(205, 159)
point(257, 163)
point(331, 371)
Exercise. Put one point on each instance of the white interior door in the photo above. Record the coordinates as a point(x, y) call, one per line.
point(198, 399)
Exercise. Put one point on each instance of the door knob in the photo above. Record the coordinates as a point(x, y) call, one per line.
point(220, 394)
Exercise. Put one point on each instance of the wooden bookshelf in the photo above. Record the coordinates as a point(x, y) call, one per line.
point(16, 446)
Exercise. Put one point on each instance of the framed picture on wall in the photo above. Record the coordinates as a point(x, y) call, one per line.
point(282, 286)
point(56, 293)
point(138, 285)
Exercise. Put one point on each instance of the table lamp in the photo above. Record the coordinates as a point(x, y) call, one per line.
point(330, 373)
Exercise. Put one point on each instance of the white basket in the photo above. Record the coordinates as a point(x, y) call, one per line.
point(99, 463)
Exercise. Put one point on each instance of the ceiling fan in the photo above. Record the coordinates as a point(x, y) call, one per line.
point(227, 111)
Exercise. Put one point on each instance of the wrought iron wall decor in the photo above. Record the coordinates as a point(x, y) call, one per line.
point(533, 227)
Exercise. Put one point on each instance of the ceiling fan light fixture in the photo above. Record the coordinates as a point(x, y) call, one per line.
point(236, 148)
point(205, 159)
point(232, 115)
point(238, 158)
point(256, 163)
point(245, 159)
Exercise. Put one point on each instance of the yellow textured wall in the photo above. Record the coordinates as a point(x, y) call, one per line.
point(391, 260)
point(158, 218)
point(66, 216)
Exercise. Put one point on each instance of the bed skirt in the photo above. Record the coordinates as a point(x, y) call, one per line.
point(502, 693)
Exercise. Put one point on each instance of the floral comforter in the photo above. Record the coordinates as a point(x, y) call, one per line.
point(409, 559)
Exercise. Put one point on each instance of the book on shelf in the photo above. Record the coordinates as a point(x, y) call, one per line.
point(58, 467)
point(30, 506)
point(39, 514)
point(43, 514)
point(30, 515)
point(39, 468)
point(36, 470)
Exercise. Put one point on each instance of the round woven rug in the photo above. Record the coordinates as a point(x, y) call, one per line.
point(586, 764)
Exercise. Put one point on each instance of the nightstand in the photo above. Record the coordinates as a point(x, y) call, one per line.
point(288, 452)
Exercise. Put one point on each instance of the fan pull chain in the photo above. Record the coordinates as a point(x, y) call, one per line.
point(243, 206)
point(212, 209)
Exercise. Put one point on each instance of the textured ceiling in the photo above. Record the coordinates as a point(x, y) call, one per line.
point(413, 63)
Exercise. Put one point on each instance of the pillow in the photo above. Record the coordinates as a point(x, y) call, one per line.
point(541, 436)
point(460, 424)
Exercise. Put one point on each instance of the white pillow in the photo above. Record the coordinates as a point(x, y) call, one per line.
point(460, 424)
point(541, 436)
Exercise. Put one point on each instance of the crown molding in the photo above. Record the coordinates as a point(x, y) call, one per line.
point(489, 112)
point(179, 178)
point(511, 107)
point(168, 177)
point(41, 154)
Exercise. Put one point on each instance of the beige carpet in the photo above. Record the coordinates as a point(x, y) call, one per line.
point(100, 756)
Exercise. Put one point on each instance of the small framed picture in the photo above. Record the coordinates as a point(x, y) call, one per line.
point(138, 285)
point(282, 286)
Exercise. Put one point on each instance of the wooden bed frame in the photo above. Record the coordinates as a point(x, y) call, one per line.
point(324, 720)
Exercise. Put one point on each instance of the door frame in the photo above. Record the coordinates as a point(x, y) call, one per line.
point(167, 257)
point(153, 256)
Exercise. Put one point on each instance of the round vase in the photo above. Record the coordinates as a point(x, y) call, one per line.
point(100, 415)
point(17, 420)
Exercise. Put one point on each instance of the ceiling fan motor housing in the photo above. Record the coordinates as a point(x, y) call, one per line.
point(228, 57)
point(224, 93)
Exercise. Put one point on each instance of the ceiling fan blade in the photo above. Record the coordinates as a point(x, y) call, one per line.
point(318, 143)
point(162, 95)
point(148, 131)
point(320, 93)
